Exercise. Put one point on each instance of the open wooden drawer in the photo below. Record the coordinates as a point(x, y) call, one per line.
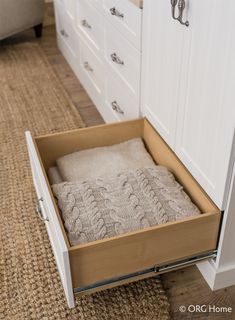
point(105, 263)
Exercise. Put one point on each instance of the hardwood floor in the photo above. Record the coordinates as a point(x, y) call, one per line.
point(184, 287)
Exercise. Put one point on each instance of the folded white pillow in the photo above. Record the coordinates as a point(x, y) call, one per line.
point(54, 175)
point(96, 162)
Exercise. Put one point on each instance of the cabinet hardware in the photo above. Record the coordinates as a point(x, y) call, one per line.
point(87, 66)
point(85, 24)
point(64, 33)
point(116, 59)
point(115, 12)
point(161, 269)
point(181, 7)
point(39, 210)
point(116, 107)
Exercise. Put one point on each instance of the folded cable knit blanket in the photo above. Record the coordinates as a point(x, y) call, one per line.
point(113, 205)
point(96, 162)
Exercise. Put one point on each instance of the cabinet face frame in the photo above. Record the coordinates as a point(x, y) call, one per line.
point(135, 251)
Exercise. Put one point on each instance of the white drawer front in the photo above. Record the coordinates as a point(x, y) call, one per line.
point(126, 17)
point(68, 6)
point(96, 3)
point(92, 67)
point(123, 59)
point(90, 24)
point(122, 104)
point(57, 241)
point(65, 30)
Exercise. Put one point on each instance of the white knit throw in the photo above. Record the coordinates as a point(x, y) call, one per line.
point(117, 204)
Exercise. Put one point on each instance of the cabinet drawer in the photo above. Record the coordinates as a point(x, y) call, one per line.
point(122, 104)
point(67, 6)
point(92, 263)
point(92, 67)
point(65, 31)
point(97, 4)
point(123, 59)
point(90, 24)
point(125, 17)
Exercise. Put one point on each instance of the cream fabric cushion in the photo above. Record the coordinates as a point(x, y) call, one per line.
point(54, 175)
point(116, 204)
point(19, 15)
point(96, 162)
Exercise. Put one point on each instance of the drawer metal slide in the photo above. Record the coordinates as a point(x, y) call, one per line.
point(156, 269)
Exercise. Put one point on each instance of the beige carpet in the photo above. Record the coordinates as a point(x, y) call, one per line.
point(32, 98)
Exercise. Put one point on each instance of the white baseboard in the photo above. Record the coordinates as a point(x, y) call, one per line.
point(217, 278)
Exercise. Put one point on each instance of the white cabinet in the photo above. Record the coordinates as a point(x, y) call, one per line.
point(66, 34)
point(69, 7)
point(101, 40)
point(206, 119)
point(188, 86)
point(162, 50)
point(126, 17)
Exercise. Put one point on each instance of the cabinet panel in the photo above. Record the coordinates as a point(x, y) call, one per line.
point(206, 119)
point(162, 56)
point(126, 17)
point(117, 98)
point(67, 37)
point(122, 59)
point(90, 24)
point(69, 6)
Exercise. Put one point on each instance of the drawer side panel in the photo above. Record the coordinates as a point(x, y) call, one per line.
point(55, 234)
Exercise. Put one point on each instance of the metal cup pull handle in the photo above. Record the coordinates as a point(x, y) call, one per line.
point(116, 107)
point(85, 24)
point(38, 210)
point(115, 12)
point(116, 59)
point(64, 33)
point(87, 66)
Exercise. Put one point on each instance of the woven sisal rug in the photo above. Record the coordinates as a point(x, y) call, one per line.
point(32, 98)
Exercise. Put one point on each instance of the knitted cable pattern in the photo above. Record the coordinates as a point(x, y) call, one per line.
point(119, 198)
point(121, 203)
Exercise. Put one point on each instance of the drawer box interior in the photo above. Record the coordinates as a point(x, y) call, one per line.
point(139, 250)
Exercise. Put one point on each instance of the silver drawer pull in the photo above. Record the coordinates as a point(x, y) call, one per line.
point(116, 107)
point(181, 7)
point(39, 210)
point(64, 33)
point(85, 24)
point(115, 12)
point(116, 59)
point(87, 66)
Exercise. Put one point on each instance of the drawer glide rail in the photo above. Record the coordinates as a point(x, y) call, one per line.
point(156, 269)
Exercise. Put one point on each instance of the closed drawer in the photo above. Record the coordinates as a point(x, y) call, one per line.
point(92, 67)
point(125, 17)
point(97, 4)
point(122, 59)
point(122, 104)
point(65, 30)
point(68, 6)
point(87, 264)
point(90, 24)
